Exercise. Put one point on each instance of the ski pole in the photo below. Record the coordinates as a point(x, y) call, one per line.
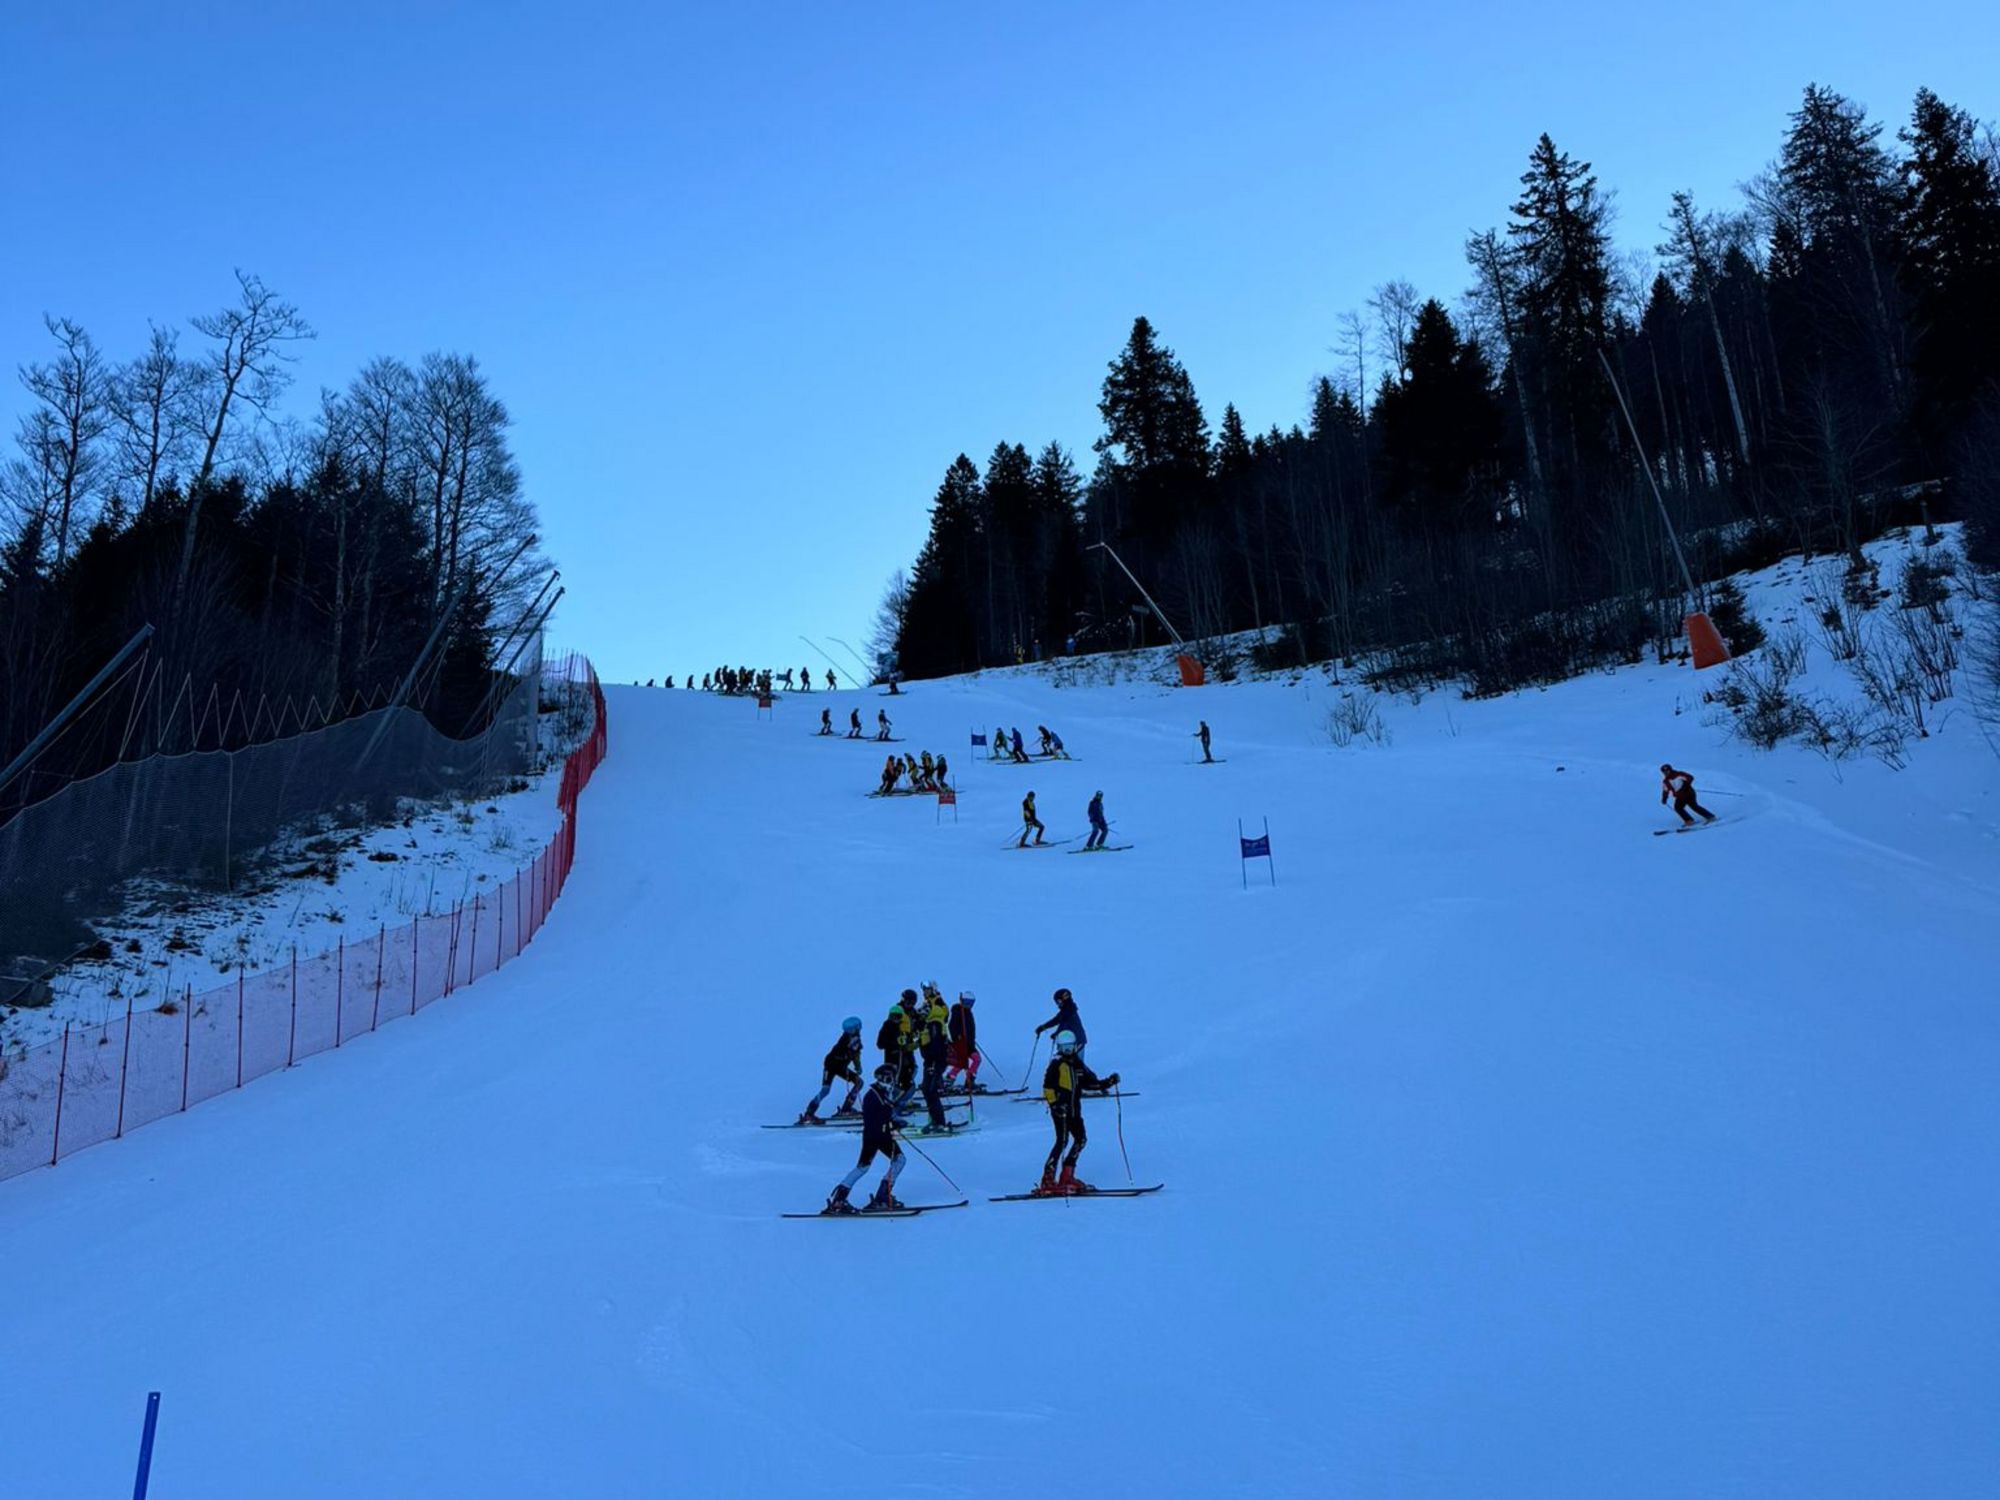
point(1025, 1077)
point(1119, 1100)
point(984, 1057)
point(934, 1166)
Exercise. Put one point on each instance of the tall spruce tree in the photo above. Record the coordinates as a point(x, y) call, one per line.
point(940, 632)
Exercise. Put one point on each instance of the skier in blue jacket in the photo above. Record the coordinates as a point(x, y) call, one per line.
point(878, 1136)
point(1099, 829)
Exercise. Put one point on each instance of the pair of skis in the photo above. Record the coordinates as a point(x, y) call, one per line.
point(911, 1211)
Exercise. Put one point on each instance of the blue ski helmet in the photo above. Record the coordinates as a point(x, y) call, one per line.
point(1065, 1042)
point(852, 1023)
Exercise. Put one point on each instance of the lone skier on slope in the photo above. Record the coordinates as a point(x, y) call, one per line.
point(1063, 1085)
point(842, 1060)
point(1067, 1019)
point(878, 1136)
point(1679, 785)
point(1202, 735)
point(1028, 821)
point(826, 721)
point(881, 725)
point(1099, 829)
point(964, 1056)
point(854, 723)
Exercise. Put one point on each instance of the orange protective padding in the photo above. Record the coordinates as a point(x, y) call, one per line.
point(1705, 641)
point(1192, 674)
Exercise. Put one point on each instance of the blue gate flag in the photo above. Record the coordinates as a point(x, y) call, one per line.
point(978, 741)
point(1257, 848)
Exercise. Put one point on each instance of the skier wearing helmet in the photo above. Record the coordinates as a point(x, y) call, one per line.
point(878, 1136)
point(1067, 1019)
point(842, 1060)
point(1100, 830)
point(1063, 1086)
point(1679, 785)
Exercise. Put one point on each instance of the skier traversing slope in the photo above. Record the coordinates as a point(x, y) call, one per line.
point(878, 1136)
point(1030, 821)
point(1099, 829)
point(842, 1061)
point(1679, 785)
point(1063, 1085)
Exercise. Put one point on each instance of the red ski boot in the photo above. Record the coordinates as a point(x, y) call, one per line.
point(1067, 1184)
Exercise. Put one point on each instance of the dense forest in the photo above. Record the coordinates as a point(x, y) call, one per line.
point(293, 571)
point(1465, 500)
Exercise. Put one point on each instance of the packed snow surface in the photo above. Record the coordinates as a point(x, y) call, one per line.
point(1509, 1149)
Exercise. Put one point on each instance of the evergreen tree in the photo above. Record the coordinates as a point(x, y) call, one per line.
point(940, 633)
point(1155, 438)
point(1950, 223)
point(1441, 426)
point(1560, 242)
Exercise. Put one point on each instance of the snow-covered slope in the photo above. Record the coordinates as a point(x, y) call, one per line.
point(1510, 1150)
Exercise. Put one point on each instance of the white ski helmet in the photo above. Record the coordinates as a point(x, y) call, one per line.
point(1065, 1042)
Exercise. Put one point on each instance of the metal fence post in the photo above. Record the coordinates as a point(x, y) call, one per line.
point(62, 1078)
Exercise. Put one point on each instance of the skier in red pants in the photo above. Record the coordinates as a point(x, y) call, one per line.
point(1679, 785)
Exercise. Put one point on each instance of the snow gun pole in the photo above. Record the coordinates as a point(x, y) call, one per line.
point(934, 1166)
point(1658, 499)
point(1158, 613)
point(1118, 1099)
point(824, 657)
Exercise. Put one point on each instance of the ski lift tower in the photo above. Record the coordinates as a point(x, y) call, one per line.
point(1192, 672)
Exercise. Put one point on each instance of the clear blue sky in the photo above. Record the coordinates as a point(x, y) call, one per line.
point(749, 276)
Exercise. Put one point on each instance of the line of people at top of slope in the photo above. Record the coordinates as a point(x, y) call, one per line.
point(744, 680)
point(883, 726)
point(1100, 827)
point(1008, 746)
point(946, 1039)
point(926, 772)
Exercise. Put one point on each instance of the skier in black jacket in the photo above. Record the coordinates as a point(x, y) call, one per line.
point(1067, 1019)
point(878, 1137)
point(1063, 1085)
point(964, 1044)
point(898, 1041)
point(842, 1060)
point(936, 1047)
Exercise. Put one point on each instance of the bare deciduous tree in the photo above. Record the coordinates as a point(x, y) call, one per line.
point(152, 402)
point(73, 389)
point(245, 366)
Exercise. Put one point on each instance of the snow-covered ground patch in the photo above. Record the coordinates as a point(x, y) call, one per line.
point(1509, 1150)
point(323, 885)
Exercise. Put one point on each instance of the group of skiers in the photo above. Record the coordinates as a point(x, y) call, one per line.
point(744, 680)
point(925, 773)
point(1010, 746)
point(946, 1039)
point(883, 726)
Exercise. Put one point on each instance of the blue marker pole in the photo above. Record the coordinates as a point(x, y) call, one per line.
point(146, 1446)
